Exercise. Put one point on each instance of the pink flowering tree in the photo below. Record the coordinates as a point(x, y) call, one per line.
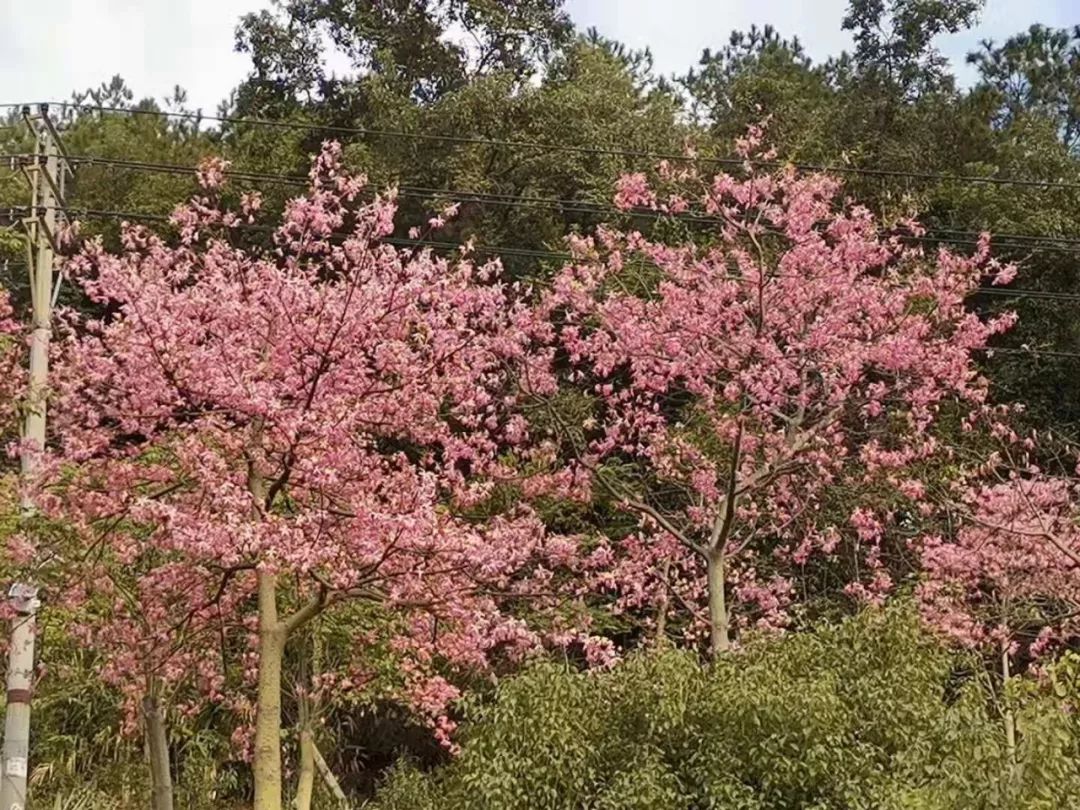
point(255, 437)
point(13, 377)
point(12, 380)
point(12, 354)
point(740, 379)
point(1007, 579)
point(1006, 582)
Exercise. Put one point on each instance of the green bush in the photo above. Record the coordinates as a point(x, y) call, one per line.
point(865, 714)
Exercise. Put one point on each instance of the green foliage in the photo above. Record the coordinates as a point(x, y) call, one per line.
point(759, 72)
point(1028, 147)
point(1036, 72)
point(403, 42)
point(894, 39)
point(623, 114)
point(867, 713)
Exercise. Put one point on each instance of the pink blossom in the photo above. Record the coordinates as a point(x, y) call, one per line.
point(1010, 568)
point(247, 412)
point(749, 383)
point(633, 192)
point(211, 172)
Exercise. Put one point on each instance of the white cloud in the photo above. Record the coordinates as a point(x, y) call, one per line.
point(678, 31)
point(52, 47)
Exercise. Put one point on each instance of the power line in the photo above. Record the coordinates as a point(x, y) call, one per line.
point(97, 213)
point(1067, 240)
point(437, 245)
point(418, 192)
point(1010, 292)
point(1005, 241)
point(311, 126)
point(174, 168)
point(578, 206)
point(504, 250)
point(1032, 352)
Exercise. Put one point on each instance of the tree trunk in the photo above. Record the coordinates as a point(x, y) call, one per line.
point(665, 603)
point(305, 784)
point(267, 764)
point(720, 640)
point(328, 776)
point(1010, 717)
point(157, 746)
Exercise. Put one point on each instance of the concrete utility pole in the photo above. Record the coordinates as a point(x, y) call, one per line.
point(46, 175)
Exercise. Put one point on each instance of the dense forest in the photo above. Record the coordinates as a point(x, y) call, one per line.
point(496, 423)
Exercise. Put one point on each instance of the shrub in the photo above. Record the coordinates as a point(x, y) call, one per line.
point(869, 713)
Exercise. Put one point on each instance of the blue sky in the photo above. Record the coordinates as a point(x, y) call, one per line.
point(678, 30)
point(50, 47)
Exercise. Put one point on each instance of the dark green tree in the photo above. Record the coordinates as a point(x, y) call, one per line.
point(894, 40)
point(1034, 73)
point(407, 43)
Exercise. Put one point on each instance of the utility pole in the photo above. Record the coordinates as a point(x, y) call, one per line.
point(46, 175)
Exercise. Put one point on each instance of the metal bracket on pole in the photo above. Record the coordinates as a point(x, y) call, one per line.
point(24, 598)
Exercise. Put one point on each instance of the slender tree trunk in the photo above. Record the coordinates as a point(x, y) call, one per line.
point(267, 764)
point(665, 603)
point(1010, 717)
point(720, 640)
point(305, 784)
point(157, 746)
point(328, 776)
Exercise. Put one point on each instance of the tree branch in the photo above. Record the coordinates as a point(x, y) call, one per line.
point(724, 521)
point(308, 612)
